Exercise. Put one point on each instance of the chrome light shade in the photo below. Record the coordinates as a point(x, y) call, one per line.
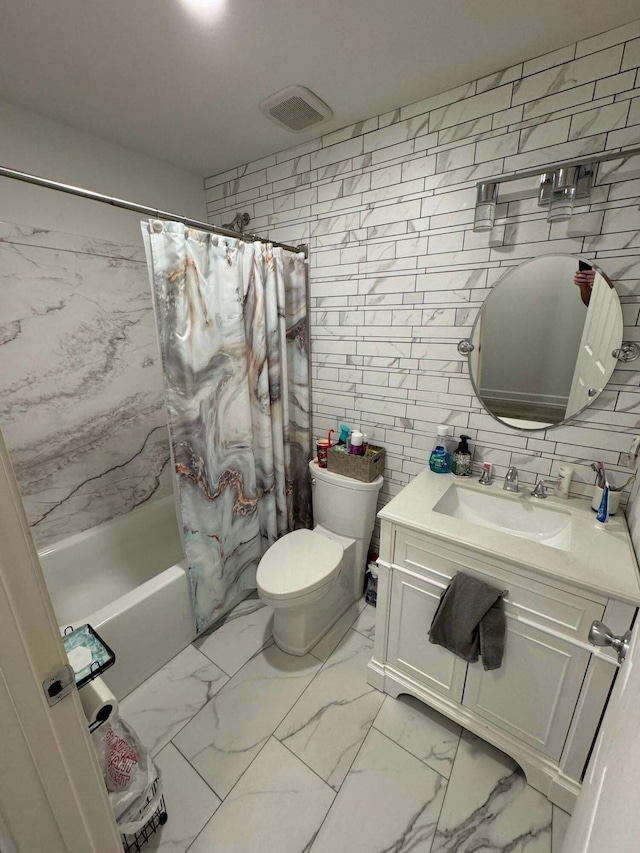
point(563, 194)
point(485, 207)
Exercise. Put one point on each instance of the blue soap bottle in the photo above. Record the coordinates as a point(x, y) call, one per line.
point(440, 459)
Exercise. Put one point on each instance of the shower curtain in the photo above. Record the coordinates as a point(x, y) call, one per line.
point(233, 331)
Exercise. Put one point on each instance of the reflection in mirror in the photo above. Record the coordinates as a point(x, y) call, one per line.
point(543, 341)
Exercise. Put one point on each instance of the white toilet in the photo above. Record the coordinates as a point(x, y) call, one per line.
point(310, 577)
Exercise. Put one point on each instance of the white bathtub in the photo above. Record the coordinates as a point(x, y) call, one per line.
point(128, 579)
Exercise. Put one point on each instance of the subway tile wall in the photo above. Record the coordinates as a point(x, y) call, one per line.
point(398, 275)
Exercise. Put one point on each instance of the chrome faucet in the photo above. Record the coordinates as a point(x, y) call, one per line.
point(511, 480)
point(540, 490)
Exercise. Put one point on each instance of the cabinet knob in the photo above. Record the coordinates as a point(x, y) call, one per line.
point(601, 635)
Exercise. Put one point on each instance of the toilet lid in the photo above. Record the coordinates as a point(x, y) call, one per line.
point(298, 563)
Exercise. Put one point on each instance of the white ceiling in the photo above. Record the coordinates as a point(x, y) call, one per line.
point(184, 88)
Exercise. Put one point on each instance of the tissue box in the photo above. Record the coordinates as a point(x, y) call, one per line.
point(364, 468)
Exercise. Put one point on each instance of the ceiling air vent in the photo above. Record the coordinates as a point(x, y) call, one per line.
point(295, 108)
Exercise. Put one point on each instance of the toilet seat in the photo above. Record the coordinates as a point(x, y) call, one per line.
point(298, 564)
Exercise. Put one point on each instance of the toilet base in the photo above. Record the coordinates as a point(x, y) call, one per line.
point(296, 630)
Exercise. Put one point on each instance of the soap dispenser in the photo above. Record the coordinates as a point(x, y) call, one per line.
point(461, 460)
point(440, 460)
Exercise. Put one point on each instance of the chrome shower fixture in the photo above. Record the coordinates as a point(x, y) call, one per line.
point(238, 223)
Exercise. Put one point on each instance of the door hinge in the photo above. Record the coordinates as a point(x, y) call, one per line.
point(59, 685)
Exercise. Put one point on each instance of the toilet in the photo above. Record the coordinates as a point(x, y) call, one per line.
point(311, 577)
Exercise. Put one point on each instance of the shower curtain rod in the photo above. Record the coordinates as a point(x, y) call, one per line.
point(141, 208)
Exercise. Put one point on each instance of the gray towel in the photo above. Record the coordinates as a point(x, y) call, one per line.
point(470, 622)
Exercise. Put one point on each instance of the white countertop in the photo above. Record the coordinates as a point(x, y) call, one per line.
point(599, 560)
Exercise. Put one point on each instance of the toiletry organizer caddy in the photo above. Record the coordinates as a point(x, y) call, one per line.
point(364, 468)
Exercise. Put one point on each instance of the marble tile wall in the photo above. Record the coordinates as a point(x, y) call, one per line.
point(81, 399)
point(398, 274)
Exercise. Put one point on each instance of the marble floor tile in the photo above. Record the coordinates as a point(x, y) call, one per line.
point(489, 806)
point(164, 703)
point(422, 731)
point(558, 831)
point(365, 624)
point(327, 725)
point(190, 803)
point(390, 801)
point(331, 639)
point(226, 735)
point(243, 633)
point(276, 807)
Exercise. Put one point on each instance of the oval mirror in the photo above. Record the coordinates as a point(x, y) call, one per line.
point(543, 341)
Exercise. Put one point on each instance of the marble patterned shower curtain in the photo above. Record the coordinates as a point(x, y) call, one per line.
point(233, 330)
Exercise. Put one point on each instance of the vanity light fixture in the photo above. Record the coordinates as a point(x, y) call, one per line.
point(563, 194)
point(561, 184)
point(487, 195)
point(560, 189)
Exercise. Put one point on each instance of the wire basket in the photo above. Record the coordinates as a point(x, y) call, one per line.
point(134, 843)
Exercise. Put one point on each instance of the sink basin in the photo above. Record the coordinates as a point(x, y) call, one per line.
point(517, 516)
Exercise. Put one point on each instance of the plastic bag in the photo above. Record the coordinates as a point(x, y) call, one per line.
point(371, 587)
point(129, 774)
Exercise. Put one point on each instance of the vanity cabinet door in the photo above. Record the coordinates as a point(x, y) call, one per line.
point(534, 693)
point(413, 605)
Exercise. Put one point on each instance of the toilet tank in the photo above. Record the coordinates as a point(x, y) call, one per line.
point(344, 505)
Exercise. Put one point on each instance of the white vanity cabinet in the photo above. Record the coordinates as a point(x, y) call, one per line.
point(544, 705)
point(534, 694)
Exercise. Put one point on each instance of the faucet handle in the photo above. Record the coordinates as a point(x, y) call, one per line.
point(487, 475)
point(540, 490)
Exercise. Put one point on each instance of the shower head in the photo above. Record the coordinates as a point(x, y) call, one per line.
point(239, 223)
